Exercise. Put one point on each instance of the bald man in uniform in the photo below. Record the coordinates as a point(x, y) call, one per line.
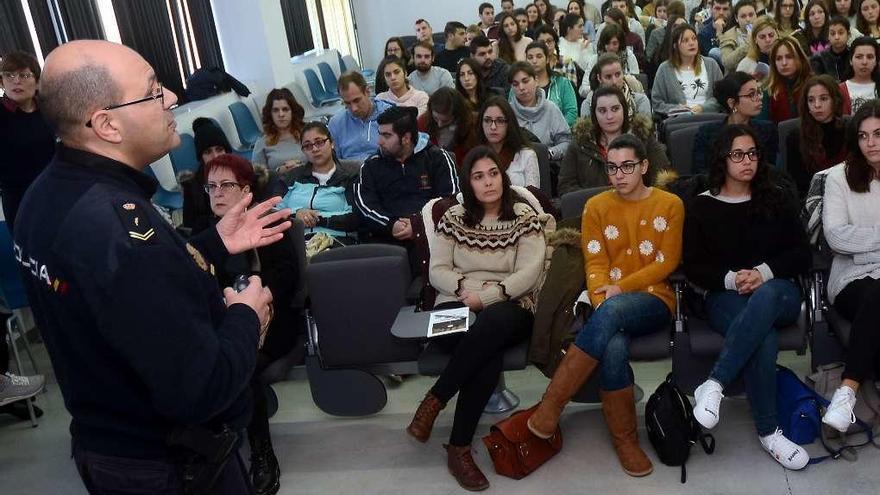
point(152, 359)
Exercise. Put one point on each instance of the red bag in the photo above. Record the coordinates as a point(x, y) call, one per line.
point(514, 450)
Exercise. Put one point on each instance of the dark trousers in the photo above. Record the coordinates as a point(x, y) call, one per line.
point(109, 475)
point(859, 302)
point(476, 362)
point(259, 425)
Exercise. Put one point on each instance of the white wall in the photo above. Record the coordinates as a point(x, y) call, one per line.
point(253, 41)
point(378, 20)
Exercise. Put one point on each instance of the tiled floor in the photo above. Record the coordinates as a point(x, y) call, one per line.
point(321, 454)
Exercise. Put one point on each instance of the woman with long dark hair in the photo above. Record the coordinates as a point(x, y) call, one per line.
point(394, 47)
point(814, 35)
point(499, 130)
point(614, 40)
point(789, 70)
point(634, 43)
point(512, 42)
point(868, 18)
point(502, 297)
point(469, 82)
point(745, 247)
point(535, 113)
point(557, 87)
point(819, 143)
point(450, 123)
point(787, 17)
point(400, 92)
point(279, 147)
point(850, 216)
point(686, 80)
point(862, 80)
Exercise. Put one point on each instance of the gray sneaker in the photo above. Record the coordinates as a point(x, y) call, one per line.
point(14, 388)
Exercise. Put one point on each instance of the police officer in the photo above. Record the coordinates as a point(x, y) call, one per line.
point(152, 362)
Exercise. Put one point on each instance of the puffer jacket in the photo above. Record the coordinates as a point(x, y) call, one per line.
point(584, 165)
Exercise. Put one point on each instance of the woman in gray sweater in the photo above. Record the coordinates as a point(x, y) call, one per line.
point(684, 83)
point(535, 112)
point(279, 148)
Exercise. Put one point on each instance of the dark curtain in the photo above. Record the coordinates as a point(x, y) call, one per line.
point(43, 25)
point(205, 32)
point(14, 33)
point(144, 26)
point(82, 19)
point(296, 23)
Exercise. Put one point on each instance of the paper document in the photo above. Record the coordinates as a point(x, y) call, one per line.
point(448, 321)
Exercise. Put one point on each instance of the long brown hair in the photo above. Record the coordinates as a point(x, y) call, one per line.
point(859, 173)
point(776, 83)
point(296, 118)
point(473, 209)
point(505, 43)
point(811, 144)
point(675, 54)
point(448, 101)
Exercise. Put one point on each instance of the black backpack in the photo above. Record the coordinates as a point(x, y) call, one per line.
point(672, 428)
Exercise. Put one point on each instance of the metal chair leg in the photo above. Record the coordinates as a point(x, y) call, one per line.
point(11, 336)
point(27, 346)
point(502, 399)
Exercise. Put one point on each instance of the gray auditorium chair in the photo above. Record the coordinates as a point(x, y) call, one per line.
point(544, 167)
point(573, 202)
point(356, 293)
point(677, 122)
point(830, 332)
point(680, 146)
point(785, 128)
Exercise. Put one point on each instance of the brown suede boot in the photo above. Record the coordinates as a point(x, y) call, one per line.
point(569, 377)
point(462, 466)
point(423, 421)
point(619, 408)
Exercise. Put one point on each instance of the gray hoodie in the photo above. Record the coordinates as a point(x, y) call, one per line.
point(545, 121)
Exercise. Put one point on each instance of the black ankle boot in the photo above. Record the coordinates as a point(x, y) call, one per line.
point(265, 473)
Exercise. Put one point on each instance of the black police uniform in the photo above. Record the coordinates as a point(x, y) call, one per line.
point(139, 336)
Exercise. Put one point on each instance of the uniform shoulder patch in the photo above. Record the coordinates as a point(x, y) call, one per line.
point(136, 221)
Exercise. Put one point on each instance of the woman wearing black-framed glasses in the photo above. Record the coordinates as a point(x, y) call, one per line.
point(745, 247)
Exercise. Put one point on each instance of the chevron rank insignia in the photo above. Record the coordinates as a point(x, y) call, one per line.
point(135, 221)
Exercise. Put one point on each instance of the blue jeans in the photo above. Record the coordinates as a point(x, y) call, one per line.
point(605, 336)
point(715, 53)
point(749, 323)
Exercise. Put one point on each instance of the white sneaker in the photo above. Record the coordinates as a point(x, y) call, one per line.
point(839, 414)
point(786, 452)
point(708, 402)
point(14, 388)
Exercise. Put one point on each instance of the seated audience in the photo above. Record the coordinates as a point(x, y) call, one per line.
point(819, 142)
point(580, 9)
point(864, 75)
point(424, 32)
point(572, 45)
point(557, 88)
point(210, 142)
point(734, 43)
point(546, 11)
point(686, 81)
point(744, 245)
point(455, 49)
point(394, 47)
point(761, 39)
point(535, 19)
point(407, 172)
point(789, 70)
point(522, 20)
point(354, 129)
point(835, 60)
point(499, 130)
point(428, 77)
point(535, 113)
point(279, 146)
point(612, 40)
point(450, 122)
point(845, 9)
point(713, 27)
point(627, 264)
point(628, 8)
point(566, 67)
point(608, 72)
point(228, 178)
point(584, 162)
point(487, 21)
point(813, 37)
point(653, 48)
point(492, 71)
point(472, 32)
point(633, 43)
point(787, 17)
point(511, 46)
point(496, 281)
point(321, 192)
point(469, 83)
point(400, 92)
point(868, 18)
point(850, 216)
point(740, 97)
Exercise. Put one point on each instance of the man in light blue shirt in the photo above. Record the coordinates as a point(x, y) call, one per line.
point(354, 129)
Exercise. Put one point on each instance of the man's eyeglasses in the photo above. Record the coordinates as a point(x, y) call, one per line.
point(737, 156)
point(627, 167)
point(159, 94)
point(226, 187)
point(16, 76)
point(489, 121)
point(314, 145)
point(752, 95)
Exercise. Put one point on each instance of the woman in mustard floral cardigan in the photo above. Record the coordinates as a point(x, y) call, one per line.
point(631, 237)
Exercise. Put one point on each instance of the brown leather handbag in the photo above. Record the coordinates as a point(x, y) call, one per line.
point(514, 450)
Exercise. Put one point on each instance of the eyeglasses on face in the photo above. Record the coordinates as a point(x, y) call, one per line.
point(489, 121)
point(17, 76)
point(737, 156)
point(752, 95)
point(314, 145)
point(159, 94)
point(226, 187)
point(626, 167)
